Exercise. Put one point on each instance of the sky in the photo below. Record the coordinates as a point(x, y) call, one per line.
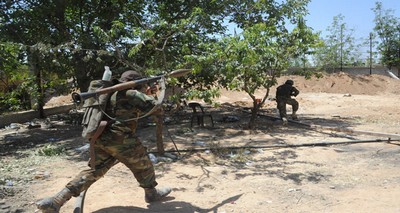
point(358, 14)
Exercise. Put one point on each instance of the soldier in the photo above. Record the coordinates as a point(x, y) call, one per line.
point(117, 142)
point(284, 95)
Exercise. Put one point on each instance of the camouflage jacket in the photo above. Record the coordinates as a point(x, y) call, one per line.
point(126, 106)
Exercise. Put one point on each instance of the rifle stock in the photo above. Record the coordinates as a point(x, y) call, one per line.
point(79, 98)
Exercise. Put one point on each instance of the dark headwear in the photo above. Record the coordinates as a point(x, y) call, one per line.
point(290, 82)
point(130, 75)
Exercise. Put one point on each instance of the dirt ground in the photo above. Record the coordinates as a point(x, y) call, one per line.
point(228, 168)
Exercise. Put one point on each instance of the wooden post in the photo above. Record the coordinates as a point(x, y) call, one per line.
point(158, 119)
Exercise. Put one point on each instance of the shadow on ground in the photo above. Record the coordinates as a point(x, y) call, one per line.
point(173, 206)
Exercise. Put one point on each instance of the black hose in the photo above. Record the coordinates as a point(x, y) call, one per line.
point(389, 140)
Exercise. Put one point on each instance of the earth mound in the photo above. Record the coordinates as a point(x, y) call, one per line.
point(345, 83)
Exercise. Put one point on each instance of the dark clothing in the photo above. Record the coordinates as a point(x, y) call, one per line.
point(282, 106)
point(286, 91)
point(119, 143)
point(284, 95)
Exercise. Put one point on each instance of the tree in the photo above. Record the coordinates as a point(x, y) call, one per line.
point(254, 58)
point(339, 47)
point(76, 39)
point(30, 25)
point(387, 26)
point(15, 90)
point(373, 56)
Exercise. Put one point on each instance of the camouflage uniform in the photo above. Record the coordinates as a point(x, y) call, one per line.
point(118, 142)
point(283, 97)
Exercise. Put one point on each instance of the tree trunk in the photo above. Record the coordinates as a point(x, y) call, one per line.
point(33, 59)
point(40, 98)
point(253, 117)
point(398, 71)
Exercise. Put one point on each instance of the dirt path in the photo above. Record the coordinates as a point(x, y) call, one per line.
point(361, 177)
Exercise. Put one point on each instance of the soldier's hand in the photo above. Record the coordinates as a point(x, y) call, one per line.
point(153, 89)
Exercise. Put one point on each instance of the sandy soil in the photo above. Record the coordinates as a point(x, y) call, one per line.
point(273, 168)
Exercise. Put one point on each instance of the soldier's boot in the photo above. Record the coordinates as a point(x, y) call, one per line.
point(285, 121)
point(294, 116)
point(53, 204)
point(153, 194)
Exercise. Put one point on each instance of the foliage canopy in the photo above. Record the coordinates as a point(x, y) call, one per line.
point(387, 27)
point(66, 44)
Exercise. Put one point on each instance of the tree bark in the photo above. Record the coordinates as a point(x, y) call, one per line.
point(33, 59)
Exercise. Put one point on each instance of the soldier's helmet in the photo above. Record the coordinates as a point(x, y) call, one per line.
point(290, 82)
point(130, 75)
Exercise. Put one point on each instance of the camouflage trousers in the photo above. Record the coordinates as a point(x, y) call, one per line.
point(281, 105)
point(109, 149)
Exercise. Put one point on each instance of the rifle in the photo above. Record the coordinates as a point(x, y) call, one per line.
point(78, 98)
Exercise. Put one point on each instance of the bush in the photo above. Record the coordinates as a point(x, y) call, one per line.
point(50, 150)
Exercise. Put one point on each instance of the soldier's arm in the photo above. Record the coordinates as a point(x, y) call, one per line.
point(295, 91)
point(140, 100)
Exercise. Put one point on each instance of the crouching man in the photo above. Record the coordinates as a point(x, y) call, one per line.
point(284, 95)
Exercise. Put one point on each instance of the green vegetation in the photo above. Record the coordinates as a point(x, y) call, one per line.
point(387, 27)
point(55, 46)
point(51, 150)
point(339, 48)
